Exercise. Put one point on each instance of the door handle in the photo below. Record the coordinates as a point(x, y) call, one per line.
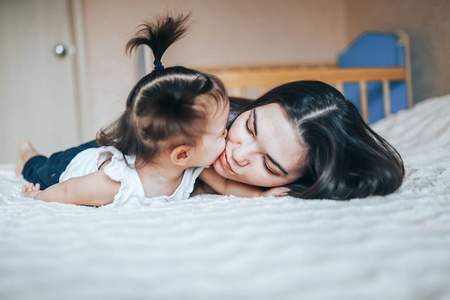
point(60, 50)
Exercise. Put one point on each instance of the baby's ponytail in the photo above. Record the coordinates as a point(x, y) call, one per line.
point(159, 36)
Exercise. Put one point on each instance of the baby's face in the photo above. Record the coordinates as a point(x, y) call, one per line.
point(213, 142)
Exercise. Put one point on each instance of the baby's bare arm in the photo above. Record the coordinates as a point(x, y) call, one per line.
point(93, 189)
point(228, 187)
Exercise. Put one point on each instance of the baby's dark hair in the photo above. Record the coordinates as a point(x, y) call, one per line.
point(169, 106)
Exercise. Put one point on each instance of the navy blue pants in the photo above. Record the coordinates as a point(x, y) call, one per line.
point(47, 170)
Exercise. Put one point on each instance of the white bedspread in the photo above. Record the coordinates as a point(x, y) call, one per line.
point(218, 247)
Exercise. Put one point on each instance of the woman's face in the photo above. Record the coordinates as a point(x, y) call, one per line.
point(262, 149)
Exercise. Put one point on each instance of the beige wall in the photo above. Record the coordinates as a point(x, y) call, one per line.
point(428, 26)
point(231, 32)
point(245, 32)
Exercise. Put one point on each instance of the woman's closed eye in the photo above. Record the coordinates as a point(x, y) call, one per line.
point(247, 125)
point(267, 167)
point(250, 126)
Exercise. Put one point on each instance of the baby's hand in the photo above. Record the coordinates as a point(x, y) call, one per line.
point(31, 190)
point(276, 192)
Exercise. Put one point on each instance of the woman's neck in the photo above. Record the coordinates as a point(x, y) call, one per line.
point(160, 177)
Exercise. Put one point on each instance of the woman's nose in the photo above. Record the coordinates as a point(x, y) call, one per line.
point(242, 153)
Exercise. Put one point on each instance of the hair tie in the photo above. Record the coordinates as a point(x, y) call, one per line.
point(158, 65)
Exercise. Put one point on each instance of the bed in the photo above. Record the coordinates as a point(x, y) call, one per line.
point(372, 70)
point(220, 247)
point(225, 247)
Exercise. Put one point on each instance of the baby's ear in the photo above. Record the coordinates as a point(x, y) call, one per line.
point(180, 155)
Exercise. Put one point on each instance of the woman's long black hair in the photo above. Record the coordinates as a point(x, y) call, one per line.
point(345, 158)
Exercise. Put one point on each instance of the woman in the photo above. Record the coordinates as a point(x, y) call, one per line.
point(306, 136)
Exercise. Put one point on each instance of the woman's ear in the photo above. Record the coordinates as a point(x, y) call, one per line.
point(180, 155)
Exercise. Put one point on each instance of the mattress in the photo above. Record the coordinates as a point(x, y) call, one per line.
point(224, 247)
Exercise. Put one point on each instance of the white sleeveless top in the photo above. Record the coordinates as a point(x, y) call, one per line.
point(131, 191)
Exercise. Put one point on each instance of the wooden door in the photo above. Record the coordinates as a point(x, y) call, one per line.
point(37, 87)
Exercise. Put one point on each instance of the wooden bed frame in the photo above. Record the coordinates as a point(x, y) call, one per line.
point(252, 81)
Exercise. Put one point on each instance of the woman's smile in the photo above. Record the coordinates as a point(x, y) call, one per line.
point(224, 161)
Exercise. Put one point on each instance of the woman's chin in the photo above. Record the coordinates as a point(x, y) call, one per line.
point(217, 165)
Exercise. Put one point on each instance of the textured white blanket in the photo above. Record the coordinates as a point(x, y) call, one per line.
point(218, 247)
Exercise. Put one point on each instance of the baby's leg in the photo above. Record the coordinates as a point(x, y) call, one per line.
point(44, 170)
point(25, 152)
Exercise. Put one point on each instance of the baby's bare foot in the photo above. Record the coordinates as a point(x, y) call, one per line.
point(25, 152)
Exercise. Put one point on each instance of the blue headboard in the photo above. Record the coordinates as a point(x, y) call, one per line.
point(375, 49)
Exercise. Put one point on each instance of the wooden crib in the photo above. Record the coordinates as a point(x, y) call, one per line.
point(252, 81)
